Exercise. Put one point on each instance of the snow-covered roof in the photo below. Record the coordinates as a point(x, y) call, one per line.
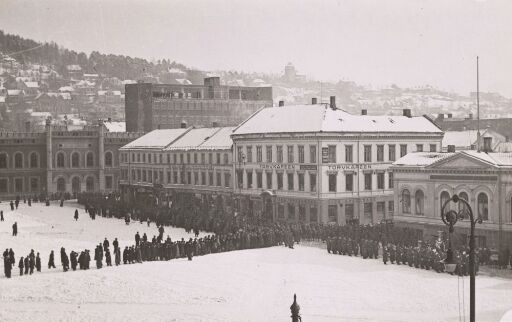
point(66, 89)
point(128, 81)
point(156, 139)
point(91, 75)
point(422, 158)
point(321, 118)
point(183, 81)
point(176, 71)
point(14, 92)
point(115, 126)
point(73, 68)
point(460, 138)
point(2, 99)
point(204, 139)
point(31, 84)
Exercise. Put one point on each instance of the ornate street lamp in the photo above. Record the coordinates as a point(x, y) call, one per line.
point(450, 218)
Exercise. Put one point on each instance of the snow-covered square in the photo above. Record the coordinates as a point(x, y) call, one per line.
point(248, 285)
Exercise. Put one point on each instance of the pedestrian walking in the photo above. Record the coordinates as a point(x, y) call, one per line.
point(15, 229)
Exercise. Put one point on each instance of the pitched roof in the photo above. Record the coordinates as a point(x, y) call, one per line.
point(31, 84)
point(204, 139)
point(156, 139)
point(423, 159)
point(321, 118)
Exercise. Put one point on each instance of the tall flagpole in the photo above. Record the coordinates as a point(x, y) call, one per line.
point(477, 106)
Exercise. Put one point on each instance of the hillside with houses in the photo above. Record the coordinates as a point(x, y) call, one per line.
point(38, 80)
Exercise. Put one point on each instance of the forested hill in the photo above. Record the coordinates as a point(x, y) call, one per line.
point(123, 67)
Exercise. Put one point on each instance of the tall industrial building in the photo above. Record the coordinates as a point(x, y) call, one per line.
point(164, 106)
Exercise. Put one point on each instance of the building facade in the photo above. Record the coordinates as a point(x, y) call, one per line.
point(162, 106)
point(59, 160)
point(424, 181)
point(316, 163)
point(182, 166)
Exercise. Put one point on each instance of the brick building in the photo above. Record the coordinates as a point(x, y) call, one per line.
point(59, 160)
point(161, 106)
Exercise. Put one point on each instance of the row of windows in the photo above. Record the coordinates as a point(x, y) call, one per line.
point(368, 211)
point(19, 185)
point(294, 212)
point(419, 203)
point(330, 151)
point(255, 180)
point(279, 153)
point(60, 158)
point(178, 158)
point(18, 160)
point(175, 177)
point(368, 181)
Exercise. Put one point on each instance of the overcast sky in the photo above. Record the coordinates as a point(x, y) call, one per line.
point(379, 42)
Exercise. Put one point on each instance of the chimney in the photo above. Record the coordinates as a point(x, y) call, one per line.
point(450, 115)
point(407, 112)
point(313, 101)
point(451, 148)
point(183, 125)
point(109, 119)
point(27, 126)
point(281, 103)
point(364, 112)
point(215, 124)
point(333, 102)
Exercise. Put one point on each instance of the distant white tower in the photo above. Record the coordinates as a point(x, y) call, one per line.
point(289, 72)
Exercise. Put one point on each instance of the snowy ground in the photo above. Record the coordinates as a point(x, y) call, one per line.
point(255, 285)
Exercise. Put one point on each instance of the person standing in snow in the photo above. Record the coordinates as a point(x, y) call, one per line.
point(38, 260)
point(20, 265)
point(51, 260)
point(15, 229)
point(7, 266)
point(76, 215)
point(12, 205)
point(64, 259)
point(1, 215)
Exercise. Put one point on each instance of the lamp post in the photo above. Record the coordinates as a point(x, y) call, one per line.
point(450, 218)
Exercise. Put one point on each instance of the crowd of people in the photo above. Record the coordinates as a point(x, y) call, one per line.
point(395, 245)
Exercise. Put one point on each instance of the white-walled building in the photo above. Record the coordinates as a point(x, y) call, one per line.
point(424, 181)
point(316, 163)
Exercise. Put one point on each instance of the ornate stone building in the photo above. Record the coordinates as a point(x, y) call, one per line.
point(59, 160)
point(424, 181)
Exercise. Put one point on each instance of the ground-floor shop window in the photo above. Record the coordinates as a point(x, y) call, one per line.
point(313, 214)
point(280, 211)
point(108, 182)
point(291, 211)
point(302, 213)
point(349, 212)
point(333, 213)
point(3, 185)
point(368, 212)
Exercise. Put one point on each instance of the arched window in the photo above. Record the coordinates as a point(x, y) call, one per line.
point(483, 206)
point(18, 160)
point(75, 160)
point(445, 196)
point(34, 160)
point(406, 201)
point(61, 185)
point(75, 184)
point(108, 159)
point(89, 160)
point(60, 160)
point(419, 200)
point(89, 184)
point(463, 209)
point(3, 160)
